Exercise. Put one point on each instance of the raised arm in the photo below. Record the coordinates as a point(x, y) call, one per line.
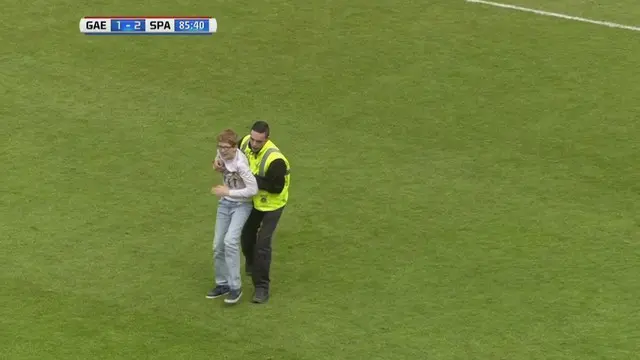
point(217, 163)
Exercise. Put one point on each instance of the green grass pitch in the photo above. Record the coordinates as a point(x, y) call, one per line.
point(465, 181)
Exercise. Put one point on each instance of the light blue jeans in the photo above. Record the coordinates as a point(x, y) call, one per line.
point(230, 219)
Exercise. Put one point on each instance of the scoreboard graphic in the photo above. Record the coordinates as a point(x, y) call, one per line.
point(148, 25)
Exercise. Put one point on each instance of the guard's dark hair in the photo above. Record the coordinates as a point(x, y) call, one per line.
point(261, 127)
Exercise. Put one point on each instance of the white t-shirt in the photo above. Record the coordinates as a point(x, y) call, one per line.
point(238, 177)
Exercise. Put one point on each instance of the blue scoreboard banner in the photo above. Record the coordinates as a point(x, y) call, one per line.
point(127, 25)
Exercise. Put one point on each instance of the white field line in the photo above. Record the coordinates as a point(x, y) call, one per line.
point(552, 14)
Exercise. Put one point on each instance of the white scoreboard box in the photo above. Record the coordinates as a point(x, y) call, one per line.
point(148, 25)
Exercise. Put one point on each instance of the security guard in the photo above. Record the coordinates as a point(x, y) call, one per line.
point(271, 169)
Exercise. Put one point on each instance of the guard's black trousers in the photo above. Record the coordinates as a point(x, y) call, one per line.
point(257, 236)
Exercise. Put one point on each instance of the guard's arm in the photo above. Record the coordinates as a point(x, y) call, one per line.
point(273, 179)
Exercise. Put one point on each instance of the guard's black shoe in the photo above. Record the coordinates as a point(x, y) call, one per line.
point(261, 296)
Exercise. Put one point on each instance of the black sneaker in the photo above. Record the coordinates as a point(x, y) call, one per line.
point(218, 291)
point(261, 296)
point(234, 296)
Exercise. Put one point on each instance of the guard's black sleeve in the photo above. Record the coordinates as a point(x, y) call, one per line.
point(273, 181)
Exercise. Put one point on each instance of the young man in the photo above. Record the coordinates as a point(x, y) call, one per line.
point(234, 208)
point(271, 169)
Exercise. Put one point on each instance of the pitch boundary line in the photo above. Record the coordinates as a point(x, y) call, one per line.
point(557, 15)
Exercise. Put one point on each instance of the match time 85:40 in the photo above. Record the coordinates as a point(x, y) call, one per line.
point(192, 25)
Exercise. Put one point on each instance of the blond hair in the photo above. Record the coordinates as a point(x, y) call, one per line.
point(228, 136)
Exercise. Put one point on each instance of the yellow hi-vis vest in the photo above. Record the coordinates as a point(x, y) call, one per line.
point(259, 163)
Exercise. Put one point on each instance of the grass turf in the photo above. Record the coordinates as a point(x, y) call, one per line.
point(464, 182)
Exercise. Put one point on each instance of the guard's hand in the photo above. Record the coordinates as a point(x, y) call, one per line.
point(220, 190)
point(218, 165)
